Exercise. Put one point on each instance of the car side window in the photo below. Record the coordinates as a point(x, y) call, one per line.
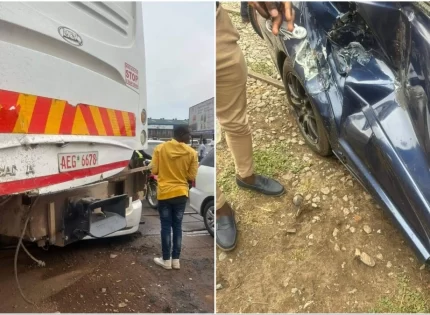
point(209, 159)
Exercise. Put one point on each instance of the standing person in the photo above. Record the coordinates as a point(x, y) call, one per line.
point(176, 164)
point(202, 149)
point(231, 75)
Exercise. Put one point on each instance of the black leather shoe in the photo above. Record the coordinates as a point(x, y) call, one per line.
point(264, 185)
point(226, 232)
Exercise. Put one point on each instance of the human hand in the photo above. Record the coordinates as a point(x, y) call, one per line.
point(276, 11)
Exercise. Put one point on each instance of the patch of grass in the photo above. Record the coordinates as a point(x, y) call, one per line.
point(226, 178)
point(261, 67)
point(276, 160)
point(404, 300)
point(298, 254)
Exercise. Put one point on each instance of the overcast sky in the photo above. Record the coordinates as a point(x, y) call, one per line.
point(179, 44)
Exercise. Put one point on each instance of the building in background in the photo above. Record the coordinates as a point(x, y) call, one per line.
point(201, 119)
point(163, 128)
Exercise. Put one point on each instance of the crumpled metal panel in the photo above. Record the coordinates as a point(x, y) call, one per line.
point(371, 85)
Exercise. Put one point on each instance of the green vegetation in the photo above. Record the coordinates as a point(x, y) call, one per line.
point(261, 67)
point(404, 300)
point(276, 160)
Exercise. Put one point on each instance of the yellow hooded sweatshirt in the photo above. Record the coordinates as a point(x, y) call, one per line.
point(175, 163)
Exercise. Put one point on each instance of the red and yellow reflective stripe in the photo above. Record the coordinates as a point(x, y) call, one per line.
point(31, 114)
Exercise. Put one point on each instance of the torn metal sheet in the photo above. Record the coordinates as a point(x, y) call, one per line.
point(370, 84)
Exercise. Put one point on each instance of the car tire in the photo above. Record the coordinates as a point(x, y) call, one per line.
point(252, 14)
point(151, 194)
point(321, 144)
point(209, 217)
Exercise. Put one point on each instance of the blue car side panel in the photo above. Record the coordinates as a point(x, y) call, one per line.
point(372, 94)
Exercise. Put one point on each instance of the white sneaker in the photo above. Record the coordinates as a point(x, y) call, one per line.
point(175, 264)
point(166, 264)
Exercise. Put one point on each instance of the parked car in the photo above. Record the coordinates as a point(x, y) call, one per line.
point(359, 89)
point(203, 191)
point(151, 146)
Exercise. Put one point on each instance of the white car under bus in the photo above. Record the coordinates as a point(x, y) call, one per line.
point(202, 194)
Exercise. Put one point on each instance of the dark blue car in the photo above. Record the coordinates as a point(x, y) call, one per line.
point(359, 85)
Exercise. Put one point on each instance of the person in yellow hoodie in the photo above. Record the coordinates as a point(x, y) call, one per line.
point(175, 163)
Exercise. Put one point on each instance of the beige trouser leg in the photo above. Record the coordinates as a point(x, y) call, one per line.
point(231, 75)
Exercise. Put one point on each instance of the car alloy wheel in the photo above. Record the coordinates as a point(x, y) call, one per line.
point(302, 108)
point(209, 217)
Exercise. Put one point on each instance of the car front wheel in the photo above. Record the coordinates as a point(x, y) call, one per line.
point(209, 217)
point(307, 115)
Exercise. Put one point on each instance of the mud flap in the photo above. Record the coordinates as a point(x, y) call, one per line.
point(95, 217)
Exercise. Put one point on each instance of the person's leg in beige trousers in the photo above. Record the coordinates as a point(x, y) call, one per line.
point(231, 76)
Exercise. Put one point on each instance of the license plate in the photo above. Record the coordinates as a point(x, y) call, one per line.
point(77, 161)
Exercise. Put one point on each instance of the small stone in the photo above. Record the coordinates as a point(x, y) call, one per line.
point(423, 267)
point(301, 142)
point(343, 248)
point(282, 138)
point(291, 231)
point(294, 290)
point(311, 237)
point(308, 197)
point(81, 296)
point(343, 265)
point(219, 286)
point(345, 198)
point(288, 176)
point(352, 229)
point(286, 282)
point(367, 260)
point(336, 247)
point(380, 257)
point(308, 304)
point(298, 200)
point(389, 264)
point(222, 256)
point(122, 304)
point(103, 290)
point(113, 256)
point(367, 229)
point(357, 253)
point(352, 291)
point(316, 199)
point(357, 218)
point(314, 205)
point(345, 211)
point(325, 190)
point(191, 279)
point(254, 242)
point(335, 232)
point(379, 231)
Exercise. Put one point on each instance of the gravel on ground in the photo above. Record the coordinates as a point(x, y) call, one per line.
point(325, 246)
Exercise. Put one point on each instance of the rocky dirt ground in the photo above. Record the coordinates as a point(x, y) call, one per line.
point(291, 259)
point(114, 275)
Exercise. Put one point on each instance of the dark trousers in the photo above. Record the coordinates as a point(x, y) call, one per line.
point(244, 9)
point(171, 214)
